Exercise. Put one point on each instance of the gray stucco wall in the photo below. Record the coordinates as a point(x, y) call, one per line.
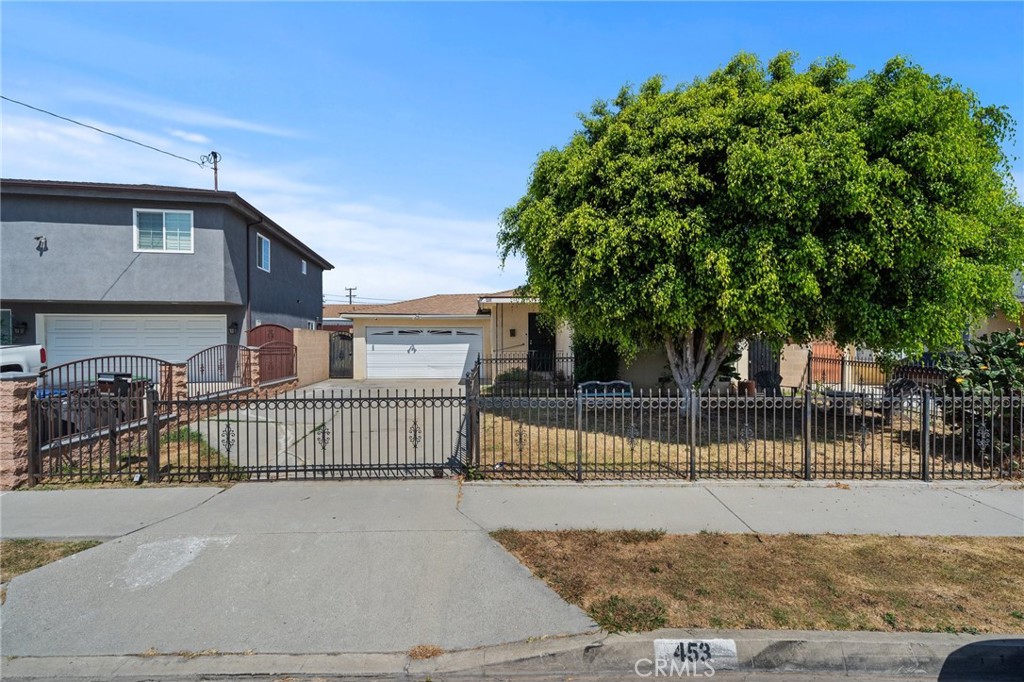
point(90, 260)
point(90, 254)
point(284, 295)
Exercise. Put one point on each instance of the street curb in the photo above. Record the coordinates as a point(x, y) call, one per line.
point(987, 657)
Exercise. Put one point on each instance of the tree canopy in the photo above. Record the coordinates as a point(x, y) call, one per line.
point(762, 200)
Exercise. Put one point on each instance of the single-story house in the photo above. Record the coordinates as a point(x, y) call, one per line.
point(441, 336)
point(90, 269)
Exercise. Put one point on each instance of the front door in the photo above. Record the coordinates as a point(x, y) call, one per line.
point(541, 344)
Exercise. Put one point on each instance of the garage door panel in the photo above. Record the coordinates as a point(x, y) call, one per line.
point(173, 338)
point(421, 353)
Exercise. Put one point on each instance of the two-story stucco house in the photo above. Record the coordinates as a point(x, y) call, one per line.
point(91, 269)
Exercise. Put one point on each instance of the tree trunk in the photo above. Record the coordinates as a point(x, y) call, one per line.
point(695, 358)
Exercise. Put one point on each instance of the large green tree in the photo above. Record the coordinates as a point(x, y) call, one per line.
point(766, 201)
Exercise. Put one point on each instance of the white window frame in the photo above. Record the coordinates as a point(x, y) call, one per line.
point(164, 211)
point(260, 240)
point(303, 266)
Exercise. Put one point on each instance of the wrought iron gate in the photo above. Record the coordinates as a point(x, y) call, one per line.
point(341, 355)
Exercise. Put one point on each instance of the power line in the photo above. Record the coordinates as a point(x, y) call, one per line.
point(100, 130)
point(361, 298)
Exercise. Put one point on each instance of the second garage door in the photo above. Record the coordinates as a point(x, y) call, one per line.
point(168, 337)
point(421, 353)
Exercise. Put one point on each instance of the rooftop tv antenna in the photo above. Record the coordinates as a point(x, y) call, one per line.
point(213, 158)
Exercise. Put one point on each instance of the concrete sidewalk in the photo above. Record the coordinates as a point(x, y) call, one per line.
point(982, 508)
point(768, 507)
point(346, 576)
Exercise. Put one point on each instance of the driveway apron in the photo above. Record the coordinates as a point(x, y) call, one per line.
point(311, 567)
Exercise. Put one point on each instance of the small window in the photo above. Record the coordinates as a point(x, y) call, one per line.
point(303, 267)
point(441, 332)
point(409, 332)
point(262, 252)
point(310, 324)
point(163, 231)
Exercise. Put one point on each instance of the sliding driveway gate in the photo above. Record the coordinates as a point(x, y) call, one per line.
point(309, 436)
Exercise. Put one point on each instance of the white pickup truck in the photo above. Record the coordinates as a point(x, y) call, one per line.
point(22, 360)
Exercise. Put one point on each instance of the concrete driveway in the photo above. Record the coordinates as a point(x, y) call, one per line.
point(408, 427)
point(314, 567)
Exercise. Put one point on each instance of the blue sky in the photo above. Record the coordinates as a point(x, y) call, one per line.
point(390, 136)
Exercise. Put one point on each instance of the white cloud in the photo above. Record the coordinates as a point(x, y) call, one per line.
point(386, 250)
point(194, 138)
point(171, 111)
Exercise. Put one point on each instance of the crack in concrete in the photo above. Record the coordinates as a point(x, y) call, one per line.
point(984, 504)
point(729, 509)
point(173, 516)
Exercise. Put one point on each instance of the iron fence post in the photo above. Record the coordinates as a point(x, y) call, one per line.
point(579, 435)
point(807, 434)
point(691, 430)
point(926, 429)
point(810, 368)
point(152, 438)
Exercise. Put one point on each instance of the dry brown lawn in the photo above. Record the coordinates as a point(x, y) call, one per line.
point(22, 556)
point(655, 445)
point(795, 582)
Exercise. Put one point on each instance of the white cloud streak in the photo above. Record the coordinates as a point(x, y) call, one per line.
point(171, 111)
point(194, 138)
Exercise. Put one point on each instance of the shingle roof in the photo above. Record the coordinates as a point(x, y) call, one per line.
point(438, 304)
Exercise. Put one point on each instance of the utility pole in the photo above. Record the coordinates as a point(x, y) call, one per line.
point(350, 290)
point(214, 159)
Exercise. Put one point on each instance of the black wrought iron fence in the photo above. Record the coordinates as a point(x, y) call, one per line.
point(316, 435)
point(87, 435)
point(219, 369)
point(867, 376)
point(81, 411)
point(110, 432)
point(512, 372)
point(842, 435)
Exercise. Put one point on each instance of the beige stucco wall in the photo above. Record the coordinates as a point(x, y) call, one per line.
point(359, 326)
point(999, 323)
point(312, 355)
point(645, 369)
point(509, 318)
point(506, 317)
point(793, 366)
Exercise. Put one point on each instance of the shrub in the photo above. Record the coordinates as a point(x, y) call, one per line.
point(595, 360)
point(512, 375)
point(990, 366)
point(992, 363)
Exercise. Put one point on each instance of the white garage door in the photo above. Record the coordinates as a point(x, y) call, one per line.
point(174, 338)
point(421, 353)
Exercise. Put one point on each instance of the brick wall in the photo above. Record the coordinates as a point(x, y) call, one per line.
point(312, 348)
point(14, 408)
